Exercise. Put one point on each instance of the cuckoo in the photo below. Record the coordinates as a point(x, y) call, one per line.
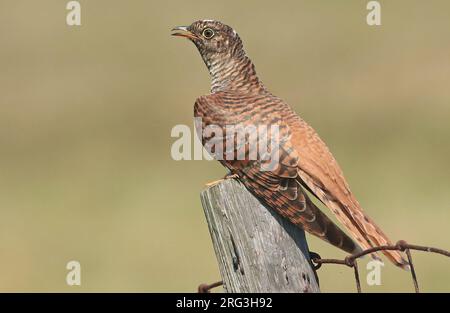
point(304, 162)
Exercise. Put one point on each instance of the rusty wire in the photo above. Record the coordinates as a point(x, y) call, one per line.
point(401, 245)
point(351, 261)
point(205, 288)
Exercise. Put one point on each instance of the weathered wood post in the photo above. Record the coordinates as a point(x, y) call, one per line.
point(257, 250)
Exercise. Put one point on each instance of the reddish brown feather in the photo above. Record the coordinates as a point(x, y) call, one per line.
point(238, 97)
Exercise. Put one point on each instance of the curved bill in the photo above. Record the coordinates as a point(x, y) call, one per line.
point(182, 31)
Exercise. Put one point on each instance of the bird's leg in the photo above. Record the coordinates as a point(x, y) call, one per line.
point(230, 175)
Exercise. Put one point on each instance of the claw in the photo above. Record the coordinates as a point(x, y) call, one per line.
point(216, 182)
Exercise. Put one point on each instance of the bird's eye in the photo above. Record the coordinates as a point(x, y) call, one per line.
point(208, 33)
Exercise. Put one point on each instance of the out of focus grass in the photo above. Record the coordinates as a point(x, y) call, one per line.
point(86, 114)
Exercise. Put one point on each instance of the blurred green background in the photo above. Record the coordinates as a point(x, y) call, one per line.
point(86, 114)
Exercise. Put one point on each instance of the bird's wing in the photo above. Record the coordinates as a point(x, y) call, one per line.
point(320, 173)
point(279, 188)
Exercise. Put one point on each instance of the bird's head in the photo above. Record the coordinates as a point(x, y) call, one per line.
point(214, 40)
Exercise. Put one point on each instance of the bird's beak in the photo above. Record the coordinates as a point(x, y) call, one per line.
point(182, 31)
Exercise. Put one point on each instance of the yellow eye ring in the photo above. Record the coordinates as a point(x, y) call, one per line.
point(208, 33)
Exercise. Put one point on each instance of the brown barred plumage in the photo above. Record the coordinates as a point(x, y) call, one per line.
point(238, 97)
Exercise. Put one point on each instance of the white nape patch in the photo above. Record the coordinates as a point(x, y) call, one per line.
point(208, 20)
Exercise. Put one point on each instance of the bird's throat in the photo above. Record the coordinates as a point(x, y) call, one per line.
point(229, 73)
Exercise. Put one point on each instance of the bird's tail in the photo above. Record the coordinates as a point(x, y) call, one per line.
point(324, 228)
point(376, 238)
point(365, 231)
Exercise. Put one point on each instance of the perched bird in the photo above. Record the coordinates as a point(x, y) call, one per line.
point(305, 163)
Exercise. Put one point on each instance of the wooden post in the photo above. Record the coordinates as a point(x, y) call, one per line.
point(257, 250)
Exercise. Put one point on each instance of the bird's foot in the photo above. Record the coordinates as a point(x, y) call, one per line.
point(228, 176)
